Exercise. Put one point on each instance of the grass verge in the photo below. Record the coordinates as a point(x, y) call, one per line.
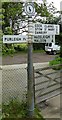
point(17, 109)
point(56, 63)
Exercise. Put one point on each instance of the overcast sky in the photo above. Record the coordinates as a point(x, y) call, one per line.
point(56, 3)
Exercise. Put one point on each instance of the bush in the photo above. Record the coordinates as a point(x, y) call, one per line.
point(8, 50)
point(14, 109)
point(8, 31)
point(38, 46)
point(17, 109)
point(20, 47)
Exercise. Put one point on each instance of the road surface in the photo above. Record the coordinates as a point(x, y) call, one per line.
point(22, 58)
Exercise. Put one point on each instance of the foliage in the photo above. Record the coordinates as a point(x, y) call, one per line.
point(14, 10)
point(1, 32)
point(8, 31)
point(42, 9)
point(17, 109)
point(2, 16)
point(1, 22)
point(38, 46)
point(38, 51)
point(56, 61)
point(46, 10)
point(21, 47)
point(8, 50)
point(61, 51)
point(60, 40)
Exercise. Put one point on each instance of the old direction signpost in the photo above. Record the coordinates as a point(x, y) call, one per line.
point(37, 33)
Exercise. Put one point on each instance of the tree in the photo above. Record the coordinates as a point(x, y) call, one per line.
point(14, 10)
point(1, 22)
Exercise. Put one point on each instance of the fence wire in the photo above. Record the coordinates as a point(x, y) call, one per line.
point(14, 82)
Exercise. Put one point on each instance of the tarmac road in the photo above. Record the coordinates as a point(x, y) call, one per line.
point(22, 58)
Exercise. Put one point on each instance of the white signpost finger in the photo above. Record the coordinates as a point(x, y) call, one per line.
point(24, 38)
point(45, 29)
point(14, 39)
point(43, 38)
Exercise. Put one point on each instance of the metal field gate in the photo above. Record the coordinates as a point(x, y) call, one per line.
point(48, 84)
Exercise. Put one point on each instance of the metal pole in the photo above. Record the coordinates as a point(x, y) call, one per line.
point(30, 88)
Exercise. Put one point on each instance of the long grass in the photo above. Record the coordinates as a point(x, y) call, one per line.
point(57, 61)
point(17, 109)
